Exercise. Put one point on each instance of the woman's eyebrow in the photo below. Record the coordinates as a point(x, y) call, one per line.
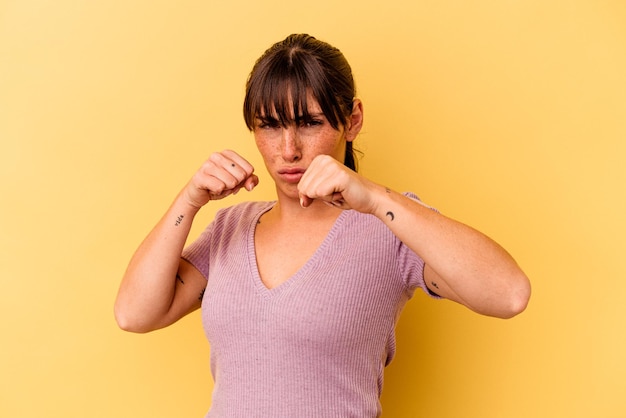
point(264, 118)
point(311, 115)
point(276, 120)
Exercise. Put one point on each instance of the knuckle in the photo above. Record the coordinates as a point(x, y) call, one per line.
point(215, 158)
point(207, 166)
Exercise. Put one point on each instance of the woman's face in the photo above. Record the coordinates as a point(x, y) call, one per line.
point(288, 150)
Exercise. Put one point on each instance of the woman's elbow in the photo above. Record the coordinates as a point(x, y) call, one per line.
point(126, 321)
point(517, 298)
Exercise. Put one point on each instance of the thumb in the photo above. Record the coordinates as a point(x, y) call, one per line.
point(251, 182)
point(305, 201)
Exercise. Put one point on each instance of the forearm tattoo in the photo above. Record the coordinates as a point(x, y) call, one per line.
point(179, 219)
point(390, 213)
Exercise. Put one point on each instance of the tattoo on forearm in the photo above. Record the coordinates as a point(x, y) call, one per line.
point(179, 219)
point(390, 214)
point(434, 284)
point(180, 279)
point(201, 295)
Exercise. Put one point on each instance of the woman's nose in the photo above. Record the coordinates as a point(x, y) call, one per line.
point(291, 144)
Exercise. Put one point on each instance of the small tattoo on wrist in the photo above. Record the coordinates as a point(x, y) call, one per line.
point(391, 215)
point(434, 284)
point(180, 279)
point(179, 219)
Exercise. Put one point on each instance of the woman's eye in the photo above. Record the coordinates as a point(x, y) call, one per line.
point(268, 125)
point(311, 123)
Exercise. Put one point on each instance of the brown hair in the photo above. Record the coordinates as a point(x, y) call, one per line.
point(290, 69)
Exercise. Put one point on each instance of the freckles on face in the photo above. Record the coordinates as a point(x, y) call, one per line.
point(299, 140)
point(300, 144)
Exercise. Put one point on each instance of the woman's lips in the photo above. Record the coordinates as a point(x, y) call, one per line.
point(291, 175)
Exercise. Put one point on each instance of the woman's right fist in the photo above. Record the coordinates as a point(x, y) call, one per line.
point(223, 174)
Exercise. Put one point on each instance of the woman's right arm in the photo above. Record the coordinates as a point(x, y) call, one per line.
point(159, 287)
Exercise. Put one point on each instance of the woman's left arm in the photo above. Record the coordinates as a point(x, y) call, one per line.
point(462, 264)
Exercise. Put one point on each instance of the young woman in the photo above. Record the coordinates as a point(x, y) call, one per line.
point(300, 296)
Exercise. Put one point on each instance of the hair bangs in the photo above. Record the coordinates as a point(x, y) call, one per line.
point(281, 87)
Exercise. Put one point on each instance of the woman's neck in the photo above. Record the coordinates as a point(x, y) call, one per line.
point(290, 210)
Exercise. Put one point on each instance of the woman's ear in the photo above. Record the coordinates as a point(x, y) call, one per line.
point(355, 121)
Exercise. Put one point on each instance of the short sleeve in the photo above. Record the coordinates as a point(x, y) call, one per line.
point(197, 253)
point(411, 264)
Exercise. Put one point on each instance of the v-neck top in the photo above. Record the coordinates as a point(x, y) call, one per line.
point(317, 344)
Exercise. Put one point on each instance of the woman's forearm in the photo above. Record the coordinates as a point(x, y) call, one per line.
point(465, 265)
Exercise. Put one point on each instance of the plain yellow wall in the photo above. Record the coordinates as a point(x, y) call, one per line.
point(507, 115)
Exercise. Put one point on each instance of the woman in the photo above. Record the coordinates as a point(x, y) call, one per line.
point(300, 296)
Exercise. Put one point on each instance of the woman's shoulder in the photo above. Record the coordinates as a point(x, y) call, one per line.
point(243, 211)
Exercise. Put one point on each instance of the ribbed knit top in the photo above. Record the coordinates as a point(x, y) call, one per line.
point(316, 345)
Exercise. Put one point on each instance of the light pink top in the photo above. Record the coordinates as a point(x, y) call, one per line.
point(315, 346)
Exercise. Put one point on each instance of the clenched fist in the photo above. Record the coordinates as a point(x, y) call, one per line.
point(223, 174)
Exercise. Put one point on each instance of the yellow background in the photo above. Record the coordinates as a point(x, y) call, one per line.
point(507, 115)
